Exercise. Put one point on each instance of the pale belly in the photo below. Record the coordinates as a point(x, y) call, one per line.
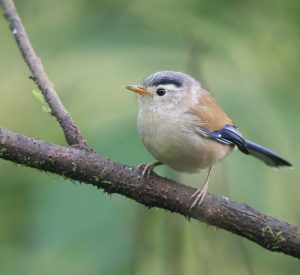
point(175, 144)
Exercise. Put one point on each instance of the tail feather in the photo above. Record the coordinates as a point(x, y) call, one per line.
point(231, 135)
point(266, 155)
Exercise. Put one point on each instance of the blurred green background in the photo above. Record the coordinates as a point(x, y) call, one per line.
point(245, 52)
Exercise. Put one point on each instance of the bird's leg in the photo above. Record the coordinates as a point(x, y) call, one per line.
point(148, 168)
point(201, 191)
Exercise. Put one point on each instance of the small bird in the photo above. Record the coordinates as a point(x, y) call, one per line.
point(182, 126)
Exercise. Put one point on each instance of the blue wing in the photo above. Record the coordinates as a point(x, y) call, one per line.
point(228, 135)
point(231, 135)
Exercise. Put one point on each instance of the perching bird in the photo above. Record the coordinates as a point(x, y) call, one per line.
point(183, 127)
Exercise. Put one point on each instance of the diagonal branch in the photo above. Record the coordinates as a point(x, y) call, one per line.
point(64, 118)
point(86, 166)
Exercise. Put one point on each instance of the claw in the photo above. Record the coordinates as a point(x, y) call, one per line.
point(200, 193)
point(147, 168)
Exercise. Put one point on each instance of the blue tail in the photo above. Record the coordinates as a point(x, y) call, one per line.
point(231, 135)
point(266, 155)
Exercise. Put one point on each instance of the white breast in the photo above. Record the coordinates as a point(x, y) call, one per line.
point(171, 140)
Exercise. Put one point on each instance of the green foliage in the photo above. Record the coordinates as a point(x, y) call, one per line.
point(40, 98)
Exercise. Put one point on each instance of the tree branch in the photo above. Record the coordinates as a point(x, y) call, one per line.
point(64, 118)
point(87, 167)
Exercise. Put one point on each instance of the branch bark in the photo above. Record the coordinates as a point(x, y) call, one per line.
point(64, 118)
point(87, 167)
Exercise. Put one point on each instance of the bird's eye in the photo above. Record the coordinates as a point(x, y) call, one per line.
point(161, 91)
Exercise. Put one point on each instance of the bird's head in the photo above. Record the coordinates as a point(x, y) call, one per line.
point(166, 90)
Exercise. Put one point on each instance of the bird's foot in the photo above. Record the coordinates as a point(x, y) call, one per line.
point(147, 168)
point(199, 196)
point(200, 193)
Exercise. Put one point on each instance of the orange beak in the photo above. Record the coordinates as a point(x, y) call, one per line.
point(138, 89)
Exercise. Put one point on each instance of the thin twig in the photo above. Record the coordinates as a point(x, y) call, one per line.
point(64, 118)
point(87, 167)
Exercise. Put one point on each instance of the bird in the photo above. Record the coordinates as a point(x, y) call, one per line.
point(183, 127)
